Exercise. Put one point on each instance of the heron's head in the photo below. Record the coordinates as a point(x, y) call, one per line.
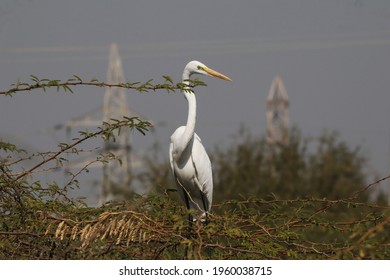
point(196, 67)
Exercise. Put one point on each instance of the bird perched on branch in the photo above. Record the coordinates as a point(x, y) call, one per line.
point(189, 161)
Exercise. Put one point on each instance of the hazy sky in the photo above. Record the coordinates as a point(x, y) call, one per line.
point(333, 57)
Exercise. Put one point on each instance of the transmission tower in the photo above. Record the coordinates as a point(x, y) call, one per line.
point(117, 172)
point(277, 114)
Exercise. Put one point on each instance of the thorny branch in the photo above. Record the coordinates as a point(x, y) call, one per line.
point(43, 84)
point(105, 131)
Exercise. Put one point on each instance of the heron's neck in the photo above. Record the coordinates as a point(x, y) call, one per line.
point(191, 118)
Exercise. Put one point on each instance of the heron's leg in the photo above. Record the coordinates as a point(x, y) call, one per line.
point(190, 222)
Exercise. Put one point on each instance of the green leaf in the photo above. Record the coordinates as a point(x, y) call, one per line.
point(141, 130)
point(34, 78)
point(168, 79)
point(67, 88)
point(77, 78)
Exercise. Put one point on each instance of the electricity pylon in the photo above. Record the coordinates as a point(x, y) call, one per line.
point(116, 172)
point(277, 114)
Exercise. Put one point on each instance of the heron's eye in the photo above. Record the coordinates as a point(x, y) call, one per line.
point(200, 67)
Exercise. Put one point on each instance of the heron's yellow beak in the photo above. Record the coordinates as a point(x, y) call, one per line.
point(216, 74)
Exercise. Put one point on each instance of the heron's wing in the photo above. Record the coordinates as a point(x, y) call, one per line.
point(171, 158)
point(203, 172)
point(179, 185)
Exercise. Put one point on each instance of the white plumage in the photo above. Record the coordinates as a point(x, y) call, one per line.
point(190, 164)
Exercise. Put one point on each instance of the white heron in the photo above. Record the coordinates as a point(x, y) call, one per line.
point(190, 164)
